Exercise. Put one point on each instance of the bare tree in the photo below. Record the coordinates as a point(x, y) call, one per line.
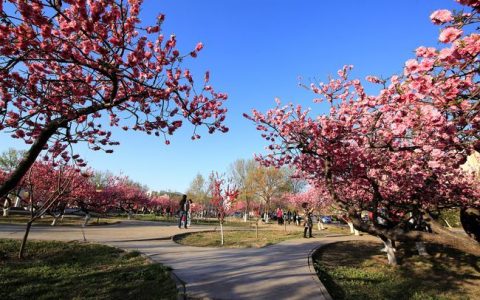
point(269, 183)
point(242, 173)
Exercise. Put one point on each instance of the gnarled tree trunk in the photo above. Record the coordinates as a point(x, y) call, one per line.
point(470, 218)
point(390, 250)
point(439, 234)
point(353, 230)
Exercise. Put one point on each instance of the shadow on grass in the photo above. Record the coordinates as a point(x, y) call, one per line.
point(359, 270)
point(55, 270)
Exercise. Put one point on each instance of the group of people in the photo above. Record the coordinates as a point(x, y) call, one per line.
point(281, 216)
point(289, 216)
point(185, 216)
point(185, 212)
point(295, 217)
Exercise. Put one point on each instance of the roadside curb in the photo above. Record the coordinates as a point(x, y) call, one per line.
point(323, 289)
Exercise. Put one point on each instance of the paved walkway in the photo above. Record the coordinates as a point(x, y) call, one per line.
point(281, 271)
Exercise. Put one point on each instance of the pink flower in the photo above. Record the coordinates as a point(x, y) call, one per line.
point(199, 47)
point(437, 153)
point(450, 34)
point(153, 29)
point(114, 40)
point(373, 79)
point(394, 79)
point(472, 3)
point(20, 133)
point(441, 16)
point(411, 66)
point(434, 164)
point(445, 53)
point(425, 52)
point(425, 65)
point(399, 129)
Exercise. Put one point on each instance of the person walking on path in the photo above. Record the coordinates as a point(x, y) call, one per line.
point(189, 212)
point(308, 222)
point(182, 212)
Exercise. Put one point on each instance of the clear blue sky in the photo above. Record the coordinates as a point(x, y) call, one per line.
point(256, 50)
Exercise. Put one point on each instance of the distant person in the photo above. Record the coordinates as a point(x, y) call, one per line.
point(289, 216)
point(295, 215)
point(182, 212)
point(189, 212)
point(308, 222)
point(279, 216)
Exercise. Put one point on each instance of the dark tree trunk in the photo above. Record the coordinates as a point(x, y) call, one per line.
point(470, 218)
point(24, 241)
point(28, 160)
point(440, 235)
point(42, 140)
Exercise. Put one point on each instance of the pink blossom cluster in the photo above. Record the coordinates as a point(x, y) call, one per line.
point(316, 197)
point(441, 16)
point(72, 69)
point(396, 152)
point(224, 197)
point(54, 185)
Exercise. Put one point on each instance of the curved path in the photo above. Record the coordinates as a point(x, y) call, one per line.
point(281, 271)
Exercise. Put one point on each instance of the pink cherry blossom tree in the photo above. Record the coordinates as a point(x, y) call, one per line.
point(159, 202)
point(71, 69)
point(125, 195)
point(317, 198)
point(50, 187)
point(223, 198)
point(395, 154)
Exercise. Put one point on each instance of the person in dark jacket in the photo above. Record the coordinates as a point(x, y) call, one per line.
point(308, 222)
point(182, 212)
point(289, 216)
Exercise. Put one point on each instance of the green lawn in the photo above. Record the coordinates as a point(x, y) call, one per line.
point(358, 270)
point(247, 238)
point(210, 221)
point(58, 270)
point(67, 221)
